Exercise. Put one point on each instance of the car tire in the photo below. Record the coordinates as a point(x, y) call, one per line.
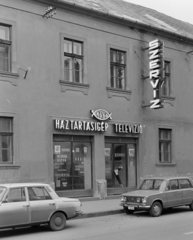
point(156, 209)
point(191, 206)
point(57, 221)
point(127, 211)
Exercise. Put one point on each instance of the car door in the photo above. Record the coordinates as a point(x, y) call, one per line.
point(14, 210)
point(187, 191)
point(41, 204)
point(174, 194)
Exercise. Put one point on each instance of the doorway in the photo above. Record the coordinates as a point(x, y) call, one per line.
point(120, 163)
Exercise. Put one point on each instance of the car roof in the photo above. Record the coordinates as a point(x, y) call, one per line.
point(9, 185)
point(167, 178)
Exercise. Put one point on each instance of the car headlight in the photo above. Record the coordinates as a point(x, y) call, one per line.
point(144, 200)
point(123, 198)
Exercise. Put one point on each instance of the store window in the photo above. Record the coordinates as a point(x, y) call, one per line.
point(165, 142)
point(73, 60)
point(72, 163)
point(117, 69)
point(120, 160)
point(5, 48)
point(166, 88)
point(6, 140)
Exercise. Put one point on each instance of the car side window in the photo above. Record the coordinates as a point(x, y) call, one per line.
point(38, 193)
point(15, 195)
point(184, 183)
point(173, 185)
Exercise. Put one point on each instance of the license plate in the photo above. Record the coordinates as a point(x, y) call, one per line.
point(131, 208)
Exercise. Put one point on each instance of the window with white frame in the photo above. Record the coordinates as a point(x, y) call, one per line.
point(165, 142)
point(73, 60)
point(166, 87)
point(117, 69)
point(5, 48)
point(6, 140)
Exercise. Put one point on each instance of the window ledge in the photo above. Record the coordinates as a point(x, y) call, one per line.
point(9, 77)
point(166, 164)
point(5, 166)
point(116, 92)
point(81, 87)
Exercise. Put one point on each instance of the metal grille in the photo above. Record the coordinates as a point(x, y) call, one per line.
point(131, 199)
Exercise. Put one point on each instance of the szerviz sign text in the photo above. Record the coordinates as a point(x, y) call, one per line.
point(156, 71)
point(80, 125)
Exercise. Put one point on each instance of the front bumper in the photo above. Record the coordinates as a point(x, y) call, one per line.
point(135, 206)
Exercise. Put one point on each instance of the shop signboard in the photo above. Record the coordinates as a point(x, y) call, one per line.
point(156, 71)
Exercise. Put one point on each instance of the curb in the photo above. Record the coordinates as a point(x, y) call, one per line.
point(99, 214)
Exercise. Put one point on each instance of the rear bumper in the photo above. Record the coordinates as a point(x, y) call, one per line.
point(76, 214)
point(136, 206)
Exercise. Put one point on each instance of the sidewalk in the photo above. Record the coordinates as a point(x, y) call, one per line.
point(98, 207)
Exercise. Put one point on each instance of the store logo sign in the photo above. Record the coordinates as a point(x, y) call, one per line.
point(72, 125)
point(128, 128)
point(156, 73)
point(101, 114)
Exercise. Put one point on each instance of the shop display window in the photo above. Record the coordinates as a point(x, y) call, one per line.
point(72, 165)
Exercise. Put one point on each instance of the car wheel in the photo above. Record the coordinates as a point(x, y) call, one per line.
point(191, 206)
point(128, 211)
point(57, 221)
point(156, 209)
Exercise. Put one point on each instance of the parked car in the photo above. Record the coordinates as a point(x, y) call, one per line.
point(156, 194)
point(32, 204)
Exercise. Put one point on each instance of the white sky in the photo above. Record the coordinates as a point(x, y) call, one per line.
point(180, 9)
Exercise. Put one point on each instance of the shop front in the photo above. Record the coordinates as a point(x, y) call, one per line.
point(75, 151)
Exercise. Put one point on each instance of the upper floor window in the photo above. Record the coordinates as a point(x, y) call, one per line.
point(5, 48)
point(165, 143)
point(166, 88)
point(73, 60)
point(6, 140)
point(117, 69)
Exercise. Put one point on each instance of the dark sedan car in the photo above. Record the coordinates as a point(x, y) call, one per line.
point(156, 194)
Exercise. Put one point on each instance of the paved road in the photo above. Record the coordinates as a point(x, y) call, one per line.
point(174, 225)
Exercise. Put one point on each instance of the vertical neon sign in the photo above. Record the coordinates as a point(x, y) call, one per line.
point(156, 73)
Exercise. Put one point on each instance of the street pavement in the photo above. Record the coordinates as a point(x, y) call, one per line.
point(100, 207)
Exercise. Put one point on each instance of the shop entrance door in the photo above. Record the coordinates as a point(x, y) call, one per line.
point(120, 161)
point(115, 159)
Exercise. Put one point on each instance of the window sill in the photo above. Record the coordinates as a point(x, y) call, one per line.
point(9, 77)
point(166, 164)
point(115, 92)
point(10, 166)
point(81, 87)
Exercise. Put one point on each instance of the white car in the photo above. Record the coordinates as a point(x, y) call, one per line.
point(32, 204)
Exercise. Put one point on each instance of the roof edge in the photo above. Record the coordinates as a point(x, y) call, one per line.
point(114, 18)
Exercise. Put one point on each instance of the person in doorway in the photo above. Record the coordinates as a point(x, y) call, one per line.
point(116, 172)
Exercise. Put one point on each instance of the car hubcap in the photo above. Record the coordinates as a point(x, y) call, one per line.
point(58, 221)
point(156, 209)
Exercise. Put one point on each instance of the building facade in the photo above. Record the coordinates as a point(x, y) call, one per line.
point(75, 92)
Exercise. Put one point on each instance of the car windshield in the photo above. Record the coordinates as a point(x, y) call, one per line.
point(2, 191)
point(151, 184)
